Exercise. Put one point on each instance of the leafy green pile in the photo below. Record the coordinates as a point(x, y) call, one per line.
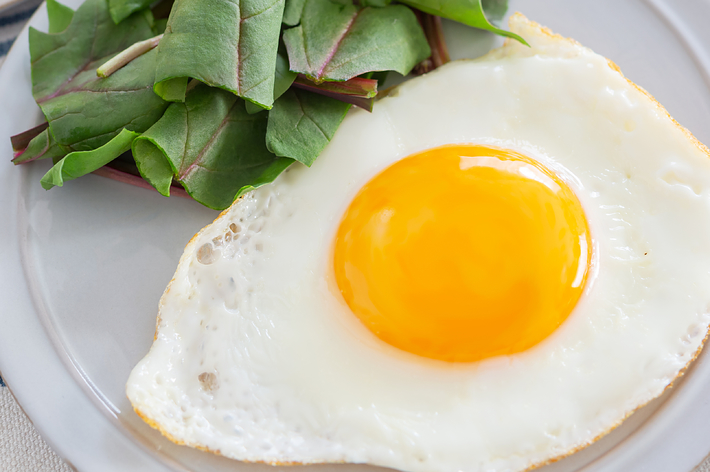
point(225, 94)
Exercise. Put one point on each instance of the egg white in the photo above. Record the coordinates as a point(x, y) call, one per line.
point(257, 357)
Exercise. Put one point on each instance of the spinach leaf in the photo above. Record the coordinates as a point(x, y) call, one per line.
point(302, 123)
point(90, 111)
point(230, 44)
point(122, 9)
point(282, 81)
point(211, 145)
point(292, 12)
point(60, 16)
point(84, 111)
point(80, 163)
point(357, 91)
point(338, 42)
point(476, 13)
point(42, 146)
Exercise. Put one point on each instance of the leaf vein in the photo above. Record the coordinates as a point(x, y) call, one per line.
point(196, 162)
point(337, 44)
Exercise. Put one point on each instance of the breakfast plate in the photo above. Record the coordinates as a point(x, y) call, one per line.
point(84, 266)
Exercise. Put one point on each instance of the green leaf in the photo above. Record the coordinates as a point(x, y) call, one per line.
point(215, 148)
point(375, 3)
point(293, 11)
point(339, 42)
point(282, 81)
point(302, 123)
point(267, 176)
point(60, 16)
point(494, 10)
point(92, 110)
point(84, 111)
point(42, 146)
point(172, 90)
point(122, 9)
point(230, 44)
point(357, 91)
point(80, 163)
point(57, 59)
point(152, 163)
point(476, 13)
point(159, 26)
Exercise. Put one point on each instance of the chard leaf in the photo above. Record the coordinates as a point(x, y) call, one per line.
point(213, 147)
point(84, 111)
point(60, 16)
point(282, 81)
point(151, 161)
point(42, 146)
point(357, 91)
point(230, 44)
point(80, 163)
point(94, 110)
point(375, 3)
point(302, 123)
point(159, 26)
point(172, 90)
point(91, 37)
point(293, 11)
point(21, 140)
point(122, 9)
point(338, 42)
point(476, 13)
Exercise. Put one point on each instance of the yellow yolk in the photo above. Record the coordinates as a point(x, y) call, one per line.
point(463, 252)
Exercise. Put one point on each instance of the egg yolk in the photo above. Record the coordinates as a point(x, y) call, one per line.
point(463, 252)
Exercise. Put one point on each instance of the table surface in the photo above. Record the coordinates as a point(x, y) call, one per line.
point(21, 447)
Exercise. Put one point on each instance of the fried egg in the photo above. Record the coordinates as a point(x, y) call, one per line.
point(493, 269)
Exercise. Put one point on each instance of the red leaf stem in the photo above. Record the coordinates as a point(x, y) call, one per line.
point(356, 91)
point(434, 33)
point(20, 141)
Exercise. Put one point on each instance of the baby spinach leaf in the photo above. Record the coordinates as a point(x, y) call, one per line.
point(302, 123)
point(89, 111)
point(42, 146)
point(230, 44)
point(159, 26)
point(21, 140)
point(292, 12)
point(212, 146)
point(60, 16)
point(91, 37)
point(150, 158)
point(375, 3)
point(476, 13)
point(282, 81)
point(357, 91)
point(122, 9)
point(80, 163)
point(338, 42)
point(84, 111)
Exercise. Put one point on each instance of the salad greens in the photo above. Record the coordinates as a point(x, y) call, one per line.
point(302, 123)
point(339, 42)
point(211, 145)
point(85, 112)
point(223, 95)
point(230, 44)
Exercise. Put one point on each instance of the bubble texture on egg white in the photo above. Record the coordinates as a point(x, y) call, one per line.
point(258, 357)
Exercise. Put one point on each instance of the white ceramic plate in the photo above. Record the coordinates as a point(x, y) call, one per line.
point(83, 267)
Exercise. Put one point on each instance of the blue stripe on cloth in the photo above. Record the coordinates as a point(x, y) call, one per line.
point(2, 382)
point(5, 46)
point(16, 17)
